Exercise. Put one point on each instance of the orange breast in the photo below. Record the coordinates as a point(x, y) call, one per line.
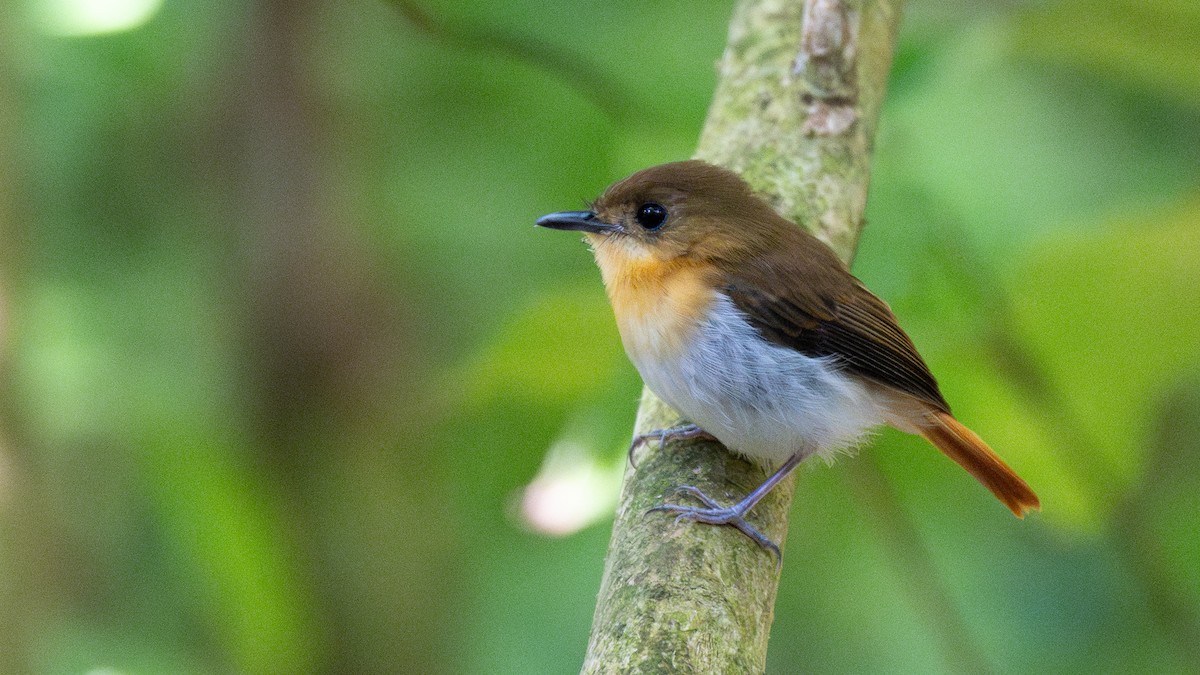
point(657, 304)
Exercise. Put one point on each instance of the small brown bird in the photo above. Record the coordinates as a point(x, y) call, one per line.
point(757, 332)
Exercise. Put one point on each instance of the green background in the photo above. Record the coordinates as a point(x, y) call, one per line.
point(280, 349)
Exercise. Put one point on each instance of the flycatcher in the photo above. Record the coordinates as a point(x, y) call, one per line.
point(756, 331)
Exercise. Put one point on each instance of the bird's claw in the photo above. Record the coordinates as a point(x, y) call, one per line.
point(663, 436)
point(694, 491)
point(715, 514)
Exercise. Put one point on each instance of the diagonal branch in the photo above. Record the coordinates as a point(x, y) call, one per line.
point(795, 109)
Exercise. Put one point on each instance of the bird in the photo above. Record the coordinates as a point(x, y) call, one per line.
point(759, 335)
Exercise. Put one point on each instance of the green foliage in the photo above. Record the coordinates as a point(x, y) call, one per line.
point(1117, 294)
point(1147, 44)
point(559, 350)
point(280, 348)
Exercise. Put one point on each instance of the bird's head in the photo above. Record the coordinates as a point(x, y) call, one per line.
point(682, 210)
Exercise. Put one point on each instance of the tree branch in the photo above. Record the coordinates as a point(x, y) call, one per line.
point(801, 83)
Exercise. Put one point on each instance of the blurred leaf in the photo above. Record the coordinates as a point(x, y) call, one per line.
point(105, 649)
point(834, 564)
point(1150, 44)
point(559, 348)
point(1167, 495)
point(227, 533)
point(1112, 318)
point(1016, 153)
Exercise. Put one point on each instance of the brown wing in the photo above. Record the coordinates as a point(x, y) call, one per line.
point(830, 314)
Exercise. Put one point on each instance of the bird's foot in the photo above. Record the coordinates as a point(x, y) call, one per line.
point(679, 433)
point(715, 514)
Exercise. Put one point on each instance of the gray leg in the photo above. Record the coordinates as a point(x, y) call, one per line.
point(715, 514)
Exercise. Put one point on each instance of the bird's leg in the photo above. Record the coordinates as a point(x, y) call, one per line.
point(735, 515)
point(679, 433)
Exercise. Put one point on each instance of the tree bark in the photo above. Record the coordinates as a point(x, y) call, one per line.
point(798, 97)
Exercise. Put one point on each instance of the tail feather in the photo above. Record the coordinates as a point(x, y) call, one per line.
point(971, 453)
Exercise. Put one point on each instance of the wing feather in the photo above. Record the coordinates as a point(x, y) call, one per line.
point(831, 315)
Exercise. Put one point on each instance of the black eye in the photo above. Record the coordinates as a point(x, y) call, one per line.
point(651, 216)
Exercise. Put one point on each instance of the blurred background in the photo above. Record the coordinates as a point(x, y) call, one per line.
point(289, 383)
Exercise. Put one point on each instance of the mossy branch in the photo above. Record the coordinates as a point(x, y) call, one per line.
point(798, 97)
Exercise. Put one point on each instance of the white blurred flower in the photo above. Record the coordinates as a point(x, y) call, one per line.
point(94, 17)
point(571, 491)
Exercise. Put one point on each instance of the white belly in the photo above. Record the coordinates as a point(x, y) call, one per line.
point(761, 400)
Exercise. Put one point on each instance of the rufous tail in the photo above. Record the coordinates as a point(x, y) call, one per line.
point(971, 453)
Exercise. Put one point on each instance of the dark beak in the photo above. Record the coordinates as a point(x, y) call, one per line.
point(583, 221)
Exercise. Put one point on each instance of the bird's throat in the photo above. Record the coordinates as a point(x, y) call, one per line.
point(657, 303)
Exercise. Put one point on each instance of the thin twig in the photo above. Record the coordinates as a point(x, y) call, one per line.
point(591, 82)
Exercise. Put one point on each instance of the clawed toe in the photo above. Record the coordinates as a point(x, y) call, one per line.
point(695, 492)
point(735, 515)
point(715, 514)
point(679, 433)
